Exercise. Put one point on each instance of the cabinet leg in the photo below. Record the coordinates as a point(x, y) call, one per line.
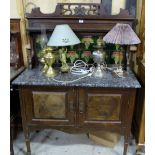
point(27, 140)
point(126, 142)
point(125, 148)
point(11, 141)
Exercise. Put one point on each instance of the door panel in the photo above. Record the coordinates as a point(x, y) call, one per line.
point(100, 106)
point(103, 107)
point(51, 106)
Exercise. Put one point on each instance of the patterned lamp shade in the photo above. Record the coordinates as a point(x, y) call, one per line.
point(63, 35)
point(121, 34)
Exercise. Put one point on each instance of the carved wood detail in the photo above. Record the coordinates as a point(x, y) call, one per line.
point(77, 9)
point(80, 9)
point(49, 104)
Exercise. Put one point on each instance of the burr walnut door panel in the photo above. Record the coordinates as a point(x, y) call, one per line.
point(52, 106)
point(100, 106)
point(49, 104)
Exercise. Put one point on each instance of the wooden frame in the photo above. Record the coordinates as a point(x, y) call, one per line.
point(15, 34)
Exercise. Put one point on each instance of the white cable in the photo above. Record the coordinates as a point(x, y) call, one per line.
point(89, 74)
point(80, 68)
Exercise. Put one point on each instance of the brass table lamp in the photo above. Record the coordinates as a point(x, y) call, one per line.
point(42, 60)
point(49, 59)
point(63, 36)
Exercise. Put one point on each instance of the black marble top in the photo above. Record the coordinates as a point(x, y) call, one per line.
point(34, 77)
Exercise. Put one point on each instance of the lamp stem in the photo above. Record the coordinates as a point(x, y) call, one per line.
point(125, 58)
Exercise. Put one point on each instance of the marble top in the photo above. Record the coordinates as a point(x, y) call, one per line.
point(34, 77)
point(14, 72)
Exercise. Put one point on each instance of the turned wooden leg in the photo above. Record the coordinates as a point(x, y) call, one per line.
point(27, 139)
point(25, 127)
point(125, 146)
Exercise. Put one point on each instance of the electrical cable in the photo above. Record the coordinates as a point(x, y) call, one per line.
point(65, 82)
point(82, 68)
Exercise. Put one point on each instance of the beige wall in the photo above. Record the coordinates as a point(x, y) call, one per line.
point(13, 9)
point(48, 6)
point(116, 5)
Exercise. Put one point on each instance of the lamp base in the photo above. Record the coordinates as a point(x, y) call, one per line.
point(50, 72)
point(99, 72)
point(64, 68)
point(119, 72)
point(44, 69)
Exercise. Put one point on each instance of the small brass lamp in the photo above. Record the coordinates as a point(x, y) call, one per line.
point(63, 36)
point(42, 60)
point(49, 58)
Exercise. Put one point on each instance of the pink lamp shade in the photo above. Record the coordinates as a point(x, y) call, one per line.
point(122, 34)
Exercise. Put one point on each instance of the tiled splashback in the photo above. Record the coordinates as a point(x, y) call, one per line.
point(84, 50)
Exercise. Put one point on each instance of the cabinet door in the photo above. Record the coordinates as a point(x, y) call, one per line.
point(52, 106)
point(97, 106)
